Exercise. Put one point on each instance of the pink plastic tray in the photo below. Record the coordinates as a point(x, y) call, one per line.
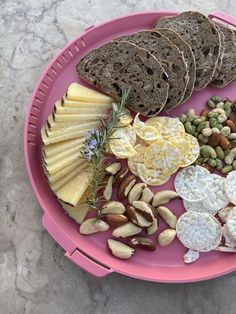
point(90, 252)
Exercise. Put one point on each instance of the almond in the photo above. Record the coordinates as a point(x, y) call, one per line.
point(231, 125)
point(204, 113)
point(224, 142)
point(116, 220)
point(143, 243)
point(214, 140)
point(120, 176)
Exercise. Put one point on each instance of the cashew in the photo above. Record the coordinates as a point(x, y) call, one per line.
point(222, 118)
point(206, 132)
point(153, 228)
point(126, 230)
point(107, 193)
point(113, 168)
point(166, 237)
point(215, 130)
point(119, 249)
point(147, 195)
point(167, 216)
point(163, 197)
point(113, 207)
point(230, 157)
point(93, 225)
point(225, 131)
point(136, 192)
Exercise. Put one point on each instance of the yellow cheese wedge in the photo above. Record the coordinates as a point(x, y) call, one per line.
point(62, 155)
point(57, 148)
point(82, 110)
point(43, 134)
point(71, 129)
point(64, 171)
point(64, 137)
point(72, 192)
point(79, 92)
point(79, 117)
point(69, 176)
point(52, 125)
point(68, 103)
point(79, 212)
point(57, 166)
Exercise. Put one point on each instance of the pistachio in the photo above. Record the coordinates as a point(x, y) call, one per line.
point(226, 169)
point(120, 176)
point(116, 220)
point(216, 99)
point(113, 207)
point(207, 132)
point(211, 162)
point(113, 168)
point(164, 197)
point(93, 225)
point(143, 243)
point(127, 230)
point(225, 131)
point(215, 130)
point(232, 136)
point(219, 152)
point(207, 151)
point(219, 164)
point(166, 237)
point(211, 104)
point(125, 186)
point(147, 195)
point(107, 193)
point(119, 249)
point(136, 192)
point(167, 215)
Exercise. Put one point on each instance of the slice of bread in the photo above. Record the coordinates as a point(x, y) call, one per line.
point(204, 39)
point(227, 73)
point(222, 48)
point(118, 65)
point(171, 59)
point(188, 58)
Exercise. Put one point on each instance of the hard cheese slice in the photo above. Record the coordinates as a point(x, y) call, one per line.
point(68, 103)
point(79, 92)
point(78, 117)
point(72, 192)
point(62, 155)
point(81, 109)
point(57, 148)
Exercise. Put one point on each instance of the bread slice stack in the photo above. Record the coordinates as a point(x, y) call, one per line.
point(63, 136)
point(192, 50)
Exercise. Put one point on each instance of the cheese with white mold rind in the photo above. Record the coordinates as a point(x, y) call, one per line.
point(72, 192)
point(79, 92)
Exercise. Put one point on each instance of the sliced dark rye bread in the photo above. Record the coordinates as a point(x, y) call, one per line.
point(171, 59)
point(227, 73)
point(221, 52)
point(118, 65)
point(204, 39)
point(188, 58)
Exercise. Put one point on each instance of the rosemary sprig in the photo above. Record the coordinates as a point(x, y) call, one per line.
point(94, 148)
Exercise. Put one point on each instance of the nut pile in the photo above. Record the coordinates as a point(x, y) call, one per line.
point(138, 220)
point(215, 130)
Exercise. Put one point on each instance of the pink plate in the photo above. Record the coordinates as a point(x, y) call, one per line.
point(90, 252)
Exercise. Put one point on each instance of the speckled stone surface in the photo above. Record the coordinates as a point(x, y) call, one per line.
point(35, 278)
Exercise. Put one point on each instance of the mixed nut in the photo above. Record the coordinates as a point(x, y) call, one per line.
point(215, 130)
point(140, 215)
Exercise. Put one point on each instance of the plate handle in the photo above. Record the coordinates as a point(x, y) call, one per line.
point(72, 252)
point(224, 17)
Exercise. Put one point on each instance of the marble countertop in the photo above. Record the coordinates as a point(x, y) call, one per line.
point(35, 278)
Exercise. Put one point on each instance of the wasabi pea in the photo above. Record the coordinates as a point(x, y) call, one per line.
point(208, 151)
point(212, 115)
point(211, 104)
point(219, 164)
point(211, 162)
point(189, 128)
point(216, 99)
point(213, 122)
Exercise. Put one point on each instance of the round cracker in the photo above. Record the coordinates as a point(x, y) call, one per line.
point(191, 182)
point(189, 148)
point(230, 225)
point(122, 142)
point(163, 156)
point(145, 132)
point(151, 176)
point(228, 241)
point(215, 198)
point(199, 231)
point(168, 127)
point(230, 189)
point(137, 158)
